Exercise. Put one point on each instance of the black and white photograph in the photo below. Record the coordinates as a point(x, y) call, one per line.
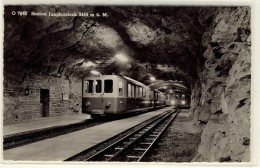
point(88, 83)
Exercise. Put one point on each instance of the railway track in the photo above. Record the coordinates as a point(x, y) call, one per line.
point(134, 146)
point(24, 138)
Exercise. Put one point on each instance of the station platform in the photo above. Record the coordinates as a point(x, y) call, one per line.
point(62, 147)
point(42, 123)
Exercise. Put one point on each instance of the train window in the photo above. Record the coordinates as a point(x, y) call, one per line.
point(144, 93)
point(178, 96)
point(133, 91)
point(129, 90)
point(136, 91)
point(89, 86)
point(98, 86)
point(141, 92)
point(108, 86)
point(120, 87)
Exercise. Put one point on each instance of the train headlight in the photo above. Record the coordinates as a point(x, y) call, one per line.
point(183, 102)
point(108, 104)
point(87, 104)
point(172, 102)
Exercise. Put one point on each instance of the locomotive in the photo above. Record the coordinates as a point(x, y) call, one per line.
point(113, 95)
point(178, 100)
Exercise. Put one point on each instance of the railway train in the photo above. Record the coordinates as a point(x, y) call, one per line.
point(178, 100)
point(106, 95)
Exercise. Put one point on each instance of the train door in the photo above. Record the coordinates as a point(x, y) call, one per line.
point(133, 96)
point(99, 93)
point(129, 96)
point(136, 96)
point(154, 98)
point(121, 100)
point(44, 102)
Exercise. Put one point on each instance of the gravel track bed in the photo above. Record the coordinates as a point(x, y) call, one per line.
point(176, 145)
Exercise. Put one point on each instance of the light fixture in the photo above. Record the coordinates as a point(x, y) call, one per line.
point(94, 72)
point(87, 104)
point(27, 91)
point(152, 78)
point(88, 64)
point(121, 57)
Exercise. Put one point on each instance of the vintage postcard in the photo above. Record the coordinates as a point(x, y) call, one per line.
point(165, 83)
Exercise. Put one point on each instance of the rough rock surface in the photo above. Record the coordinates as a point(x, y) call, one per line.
point(225, 99)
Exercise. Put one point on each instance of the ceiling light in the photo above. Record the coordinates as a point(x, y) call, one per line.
point(94, 72)
point(152, 78)
point(121, 57)
point(88, 64)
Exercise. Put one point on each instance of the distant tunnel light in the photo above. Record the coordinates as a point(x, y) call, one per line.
point(152, 78)
point(94, 72)
point(183, 102)
point(121, 57)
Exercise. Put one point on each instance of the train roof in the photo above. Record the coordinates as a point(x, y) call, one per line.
point(124, 77)
point(134, 81)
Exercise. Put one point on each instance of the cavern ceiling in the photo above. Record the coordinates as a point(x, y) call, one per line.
point(164, 42)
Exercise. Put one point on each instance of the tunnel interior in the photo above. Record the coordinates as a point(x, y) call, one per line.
point(202, 51)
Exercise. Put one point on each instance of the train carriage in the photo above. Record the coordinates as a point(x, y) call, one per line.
point(112, 95)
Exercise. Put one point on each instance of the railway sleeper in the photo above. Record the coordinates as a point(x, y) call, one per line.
point(160, 144)
point(156, 132)
point(138, 134)
point(145, 143)
point(160, 127)
point(133, 157)
point(141, 132)
point(140, 149)
point(108, 156)
point(150, 139)
point(145, 130)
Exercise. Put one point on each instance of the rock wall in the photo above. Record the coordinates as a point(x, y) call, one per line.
point(22, 97)
point(224, 105)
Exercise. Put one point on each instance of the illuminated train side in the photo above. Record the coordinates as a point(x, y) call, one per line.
point(112, 95)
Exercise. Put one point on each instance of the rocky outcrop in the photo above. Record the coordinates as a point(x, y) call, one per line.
point(225, 97)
